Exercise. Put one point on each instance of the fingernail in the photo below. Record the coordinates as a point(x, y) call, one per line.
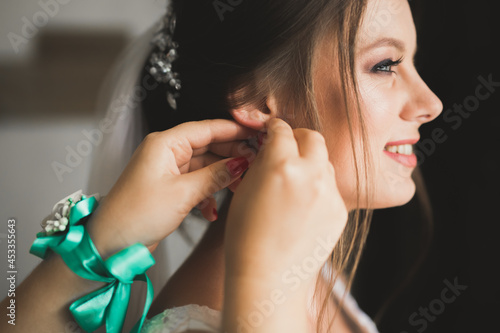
point(214, 212)
point(237, 166)
point(235, 185)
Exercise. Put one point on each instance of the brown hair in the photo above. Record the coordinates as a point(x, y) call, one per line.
point(263, 47)
point(288, 76)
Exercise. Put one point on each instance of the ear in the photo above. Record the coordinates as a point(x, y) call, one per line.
point(253, 117)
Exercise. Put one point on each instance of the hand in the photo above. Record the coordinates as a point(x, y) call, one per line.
point(286, 208)
point(168, 175)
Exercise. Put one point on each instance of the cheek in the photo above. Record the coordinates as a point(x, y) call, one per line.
point(336, 132)
point(332, 115)
point(333, 119)
point(380, 111)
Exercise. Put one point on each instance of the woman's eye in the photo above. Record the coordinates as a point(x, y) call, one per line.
point(386, 65)
point(384, 68)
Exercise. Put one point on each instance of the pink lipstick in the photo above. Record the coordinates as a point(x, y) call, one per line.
point(402, 151)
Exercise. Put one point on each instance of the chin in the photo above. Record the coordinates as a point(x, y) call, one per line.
point(391, 190)
point(395, 196)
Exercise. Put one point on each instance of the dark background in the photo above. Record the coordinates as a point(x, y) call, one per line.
point(458, 41)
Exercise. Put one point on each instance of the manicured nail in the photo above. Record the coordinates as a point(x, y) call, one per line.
point(214, 212)
point(237, 166)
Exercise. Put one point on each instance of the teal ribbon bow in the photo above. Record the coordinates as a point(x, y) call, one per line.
point(108, 305)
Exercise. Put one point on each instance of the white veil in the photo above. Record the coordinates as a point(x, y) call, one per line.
point(123, 128)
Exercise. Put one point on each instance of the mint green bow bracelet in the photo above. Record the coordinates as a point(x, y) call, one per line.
point(67, 236)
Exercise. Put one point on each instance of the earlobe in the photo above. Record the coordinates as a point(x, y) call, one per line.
point(253, 117)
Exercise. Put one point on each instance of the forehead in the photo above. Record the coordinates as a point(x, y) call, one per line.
point(387, 20)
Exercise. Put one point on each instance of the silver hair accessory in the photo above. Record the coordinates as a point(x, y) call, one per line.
point(161, 60)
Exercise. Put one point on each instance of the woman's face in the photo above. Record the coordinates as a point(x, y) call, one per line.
point(394, 103)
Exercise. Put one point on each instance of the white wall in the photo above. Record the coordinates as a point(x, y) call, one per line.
point(28, 185)
point(133, 16)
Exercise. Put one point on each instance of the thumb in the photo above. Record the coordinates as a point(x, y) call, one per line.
point(206, 181)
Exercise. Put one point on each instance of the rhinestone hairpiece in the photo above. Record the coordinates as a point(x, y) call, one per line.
point(162, 59)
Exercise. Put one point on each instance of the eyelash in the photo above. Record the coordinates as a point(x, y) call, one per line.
point(386, 63)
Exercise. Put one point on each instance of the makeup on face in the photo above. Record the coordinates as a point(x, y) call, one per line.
point(402, 151)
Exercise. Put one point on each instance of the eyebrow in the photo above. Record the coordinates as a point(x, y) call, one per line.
point(388, 41)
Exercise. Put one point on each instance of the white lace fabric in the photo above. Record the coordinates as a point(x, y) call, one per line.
point(183, 318)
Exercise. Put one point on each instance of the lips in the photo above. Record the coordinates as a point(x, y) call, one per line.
point(401, 152)
point(402, 142)
point(407, 160)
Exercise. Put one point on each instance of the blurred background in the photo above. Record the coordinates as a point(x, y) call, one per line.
point(54, 54)
point(53, 57)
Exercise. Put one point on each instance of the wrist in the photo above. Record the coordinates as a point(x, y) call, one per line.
point(55, 262)
point(106, 241)
point(66, 233)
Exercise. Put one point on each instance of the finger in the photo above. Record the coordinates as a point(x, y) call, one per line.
point(204, 182)
point(153, 247)
point(227, 149)
point(233, 186)
point(280, 141)
point(208, 207)
point(208, 158)
point(209, 211)
point(199, 162)
point(311, 144)
point(188, 136)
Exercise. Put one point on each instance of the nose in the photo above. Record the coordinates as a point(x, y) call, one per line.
point(423, 106)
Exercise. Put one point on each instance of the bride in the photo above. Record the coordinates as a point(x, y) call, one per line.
point(323, 101)
point(342, 68)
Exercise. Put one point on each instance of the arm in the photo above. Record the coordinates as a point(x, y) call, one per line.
point(261, 305)
point(286, 210)
point(42, 300)
point(169, 174)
